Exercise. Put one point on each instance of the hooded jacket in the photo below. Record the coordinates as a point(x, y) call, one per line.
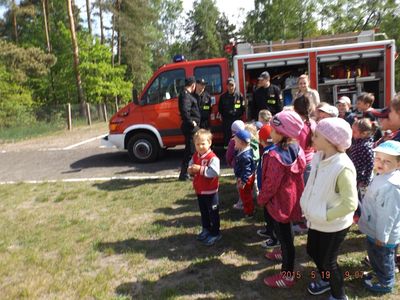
point(380, 211)
point(245, 166)
point(282, 182)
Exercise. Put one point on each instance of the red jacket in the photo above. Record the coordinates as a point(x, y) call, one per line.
point(283, 183)
point(205, 185)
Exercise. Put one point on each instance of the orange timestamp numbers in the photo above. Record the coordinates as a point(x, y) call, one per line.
point(326, 275)
point(292, 274)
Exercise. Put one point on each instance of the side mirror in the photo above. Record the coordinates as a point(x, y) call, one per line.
point(135, 96)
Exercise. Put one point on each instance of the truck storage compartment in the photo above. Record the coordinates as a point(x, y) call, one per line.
point(351, 74)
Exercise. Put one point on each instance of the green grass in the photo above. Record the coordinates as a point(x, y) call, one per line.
point(135, 240)
point(39, 129)
point(35, 129)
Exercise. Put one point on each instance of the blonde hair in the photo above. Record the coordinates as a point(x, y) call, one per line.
point(253, 131)
point(265, 115)
point(366, 126)
point(203, 133)
point(303, 76)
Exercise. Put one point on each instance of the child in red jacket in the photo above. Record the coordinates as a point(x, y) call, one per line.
point(282, 186)
point(205, 167)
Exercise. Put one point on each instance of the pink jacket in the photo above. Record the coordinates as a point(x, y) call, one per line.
point(283, 183)
point(230, 153)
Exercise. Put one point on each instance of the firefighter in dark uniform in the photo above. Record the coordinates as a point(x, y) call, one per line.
point(231, 108)
point(190, 115)
point(204, 101)
point(267, 96)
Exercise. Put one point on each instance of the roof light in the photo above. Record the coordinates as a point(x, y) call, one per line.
point(178, 58)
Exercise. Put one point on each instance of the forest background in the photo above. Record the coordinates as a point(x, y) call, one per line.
point(50, 56)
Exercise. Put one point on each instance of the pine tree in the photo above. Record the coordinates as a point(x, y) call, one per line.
point(202, 25)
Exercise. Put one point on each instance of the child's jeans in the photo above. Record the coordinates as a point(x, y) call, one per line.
point(246, 194)
point(382, 262)
point(209, 210)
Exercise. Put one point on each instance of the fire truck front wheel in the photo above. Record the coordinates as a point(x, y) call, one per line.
point(143, 148)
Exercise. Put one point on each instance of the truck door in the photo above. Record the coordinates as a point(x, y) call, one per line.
point(160, 103)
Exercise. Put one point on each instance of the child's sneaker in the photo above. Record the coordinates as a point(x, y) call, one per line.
point(238, 205)
point(373, 284)
point(356, 218)
point(279, 281)
point(263, 233)
point(271, 243)
point(366, 261)
point(333, 298)
point(367, 275)
point(300, 228)
point(202, 235)
point(318, 287)
point(212, 239)
point(249, 216)
point(275, 255)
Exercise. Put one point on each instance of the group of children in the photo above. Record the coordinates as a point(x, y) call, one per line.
point(305, 173)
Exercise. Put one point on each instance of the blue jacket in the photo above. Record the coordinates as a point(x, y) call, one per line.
point(380, 209)
point(244, 164)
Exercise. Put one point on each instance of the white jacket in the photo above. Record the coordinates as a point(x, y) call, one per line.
point(380, 210)
point(319, 194)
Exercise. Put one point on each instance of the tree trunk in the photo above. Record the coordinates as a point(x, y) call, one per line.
point(75, 50)
point(46, 24)
point(101, 22)
point(45, 6)
point(14, 21)
point(112, 39)
point(88, 16)
point(119, 37)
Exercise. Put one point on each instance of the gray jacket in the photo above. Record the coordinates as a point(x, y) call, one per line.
point(380, 210)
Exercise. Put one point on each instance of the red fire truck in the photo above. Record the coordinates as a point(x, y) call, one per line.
point(337, 65)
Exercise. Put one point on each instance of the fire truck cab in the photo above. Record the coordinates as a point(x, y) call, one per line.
point(151, 122)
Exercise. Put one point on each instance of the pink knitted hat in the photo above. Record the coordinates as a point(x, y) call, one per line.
point(337, 131)
point(287, 123)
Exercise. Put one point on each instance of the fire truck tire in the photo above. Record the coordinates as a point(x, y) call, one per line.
point(143, 148)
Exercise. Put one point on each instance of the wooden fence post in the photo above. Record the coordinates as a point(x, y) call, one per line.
point(89, 118)
point(69, 120)
point(105, 113)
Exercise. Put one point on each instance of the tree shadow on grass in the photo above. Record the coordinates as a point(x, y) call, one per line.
point(126, 184)
point(180, 206)
point(179, 247)
point(240, 240)
point(212, 277)
point(227, 197)
point(210, 274)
